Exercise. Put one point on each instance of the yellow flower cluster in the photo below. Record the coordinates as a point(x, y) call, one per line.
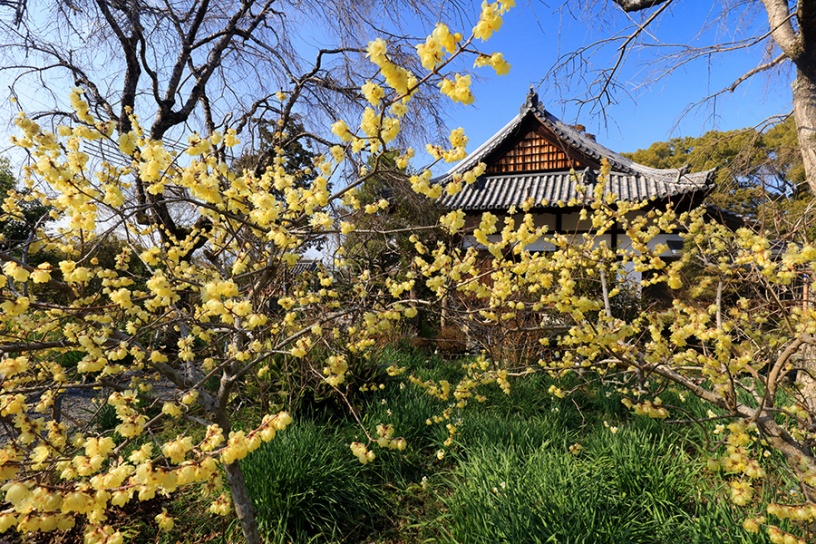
point(239, 445)
point(154, 160)
point(778, 536)
point(432, 51)
point(457, 152)
point(335, 370)
point(458, 90)
point(737, 459)
point(440, 390)
point(652, 409)
point(453, 221)
point(421, 183)
point(495, 61)
point(16, 272)
point(398, 78)
point(800, 512)
point(741, 492)
point(490, 19)
point(42, 274)
point(556, 392)
point(80, 106)
point(363, 454)
point(385, 439)
point(374, 94)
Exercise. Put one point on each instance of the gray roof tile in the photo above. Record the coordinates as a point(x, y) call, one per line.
point(628, 180)
point(499, 192)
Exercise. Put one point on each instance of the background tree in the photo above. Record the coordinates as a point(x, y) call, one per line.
point(7, 180)
point(382, 241)
point(18, 226)
point(759, 174)
point(787, 39)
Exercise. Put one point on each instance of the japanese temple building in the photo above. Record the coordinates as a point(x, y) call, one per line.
point(537, 156)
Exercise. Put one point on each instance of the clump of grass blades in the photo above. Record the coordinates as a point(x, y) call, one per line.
point(636, 486)
point(307, 487)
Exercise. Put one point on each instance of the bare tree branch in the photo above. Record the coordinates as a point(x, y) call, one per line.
point(763, 67)
point(630, 6)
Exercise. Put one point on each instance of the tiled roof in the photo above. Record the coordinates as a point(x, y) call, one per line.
point(303, 265)
point(499, 192)
point(628, 180)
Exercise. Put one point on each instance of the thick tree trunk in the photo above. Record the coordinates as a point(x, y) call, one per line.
point(806, 378)
point(243, 504)
point(804, 112)
point(235, 476)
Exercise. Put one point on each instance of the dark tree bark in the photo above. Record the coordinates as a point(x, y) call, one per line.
point(630, 6)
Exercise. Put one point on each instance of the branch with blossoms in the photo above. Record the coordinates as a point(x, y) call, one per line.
point(175, 287)
point(734, 329)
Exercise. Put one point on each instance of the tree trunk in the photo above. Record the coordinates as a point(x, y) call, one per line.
point(804, 113)
point(806, 378)
point(243, 504)
point(235, 476)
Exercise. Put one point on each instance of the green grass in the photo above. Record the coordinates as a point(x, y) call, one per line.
point(508, 476)
point(636, 486)
point(307, 486)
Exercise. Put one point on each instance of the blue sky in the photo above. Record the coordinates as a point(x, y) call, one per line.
point(535, 34)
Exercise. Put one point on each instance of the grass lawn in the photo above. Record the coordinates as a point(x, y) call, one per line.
point(524, 467)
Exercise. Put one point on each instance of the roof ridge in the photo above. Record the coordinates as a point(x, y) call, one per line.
point(572, 137)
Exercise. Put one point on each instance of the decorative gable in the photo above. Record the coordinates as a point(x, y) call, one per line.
point(538, 156)
point(534, 153)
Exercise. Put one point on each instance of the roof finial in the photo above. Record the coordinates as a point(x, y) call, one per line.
point(532, 100)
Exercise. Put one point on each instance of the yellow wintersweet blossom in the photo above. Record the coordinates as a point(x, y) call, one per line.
point(495, 61)
point(490, 19)
point(80, 106)
point(17, 307)
point(441, 40)
point(341, 130)
point(171, 409)
point(453, 221)
point(377, 50)
point(42, 274)
point(177, 450)
point(221, 506)
point(164, 521)
point(363, 454)
point(373, 93)
point(370, 123)
point(16, 272)
point(122, 297)
point(741, 492)
point(189, 397)
point(396, 77)
point(458, 91)
point(231, 138)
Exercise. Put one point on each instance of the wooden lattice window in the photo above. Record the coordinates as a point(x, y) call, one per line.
point(533, 153)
